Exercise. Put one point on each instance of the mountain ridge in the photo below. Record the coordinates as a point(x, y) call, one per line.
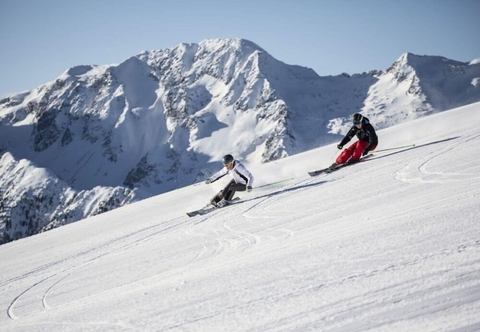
point(162, 119)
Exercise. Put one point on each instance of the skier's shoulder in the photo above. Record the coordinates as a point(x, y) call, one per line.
point(367, 122)
point(370, 128)
point(238, 165)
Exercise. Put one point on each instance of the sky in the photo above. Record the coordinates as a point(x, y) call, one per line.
point(42, 39)
point(388, 244)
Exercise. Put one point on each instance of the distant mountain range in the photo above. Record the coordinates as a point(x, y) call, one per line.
point(99, 137)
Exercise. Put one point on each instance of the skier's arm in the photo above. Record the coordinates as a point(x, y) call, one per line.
point(372, 138)
point(249, 177)
point(349, 136)
point(219, 174)
point(246, 174)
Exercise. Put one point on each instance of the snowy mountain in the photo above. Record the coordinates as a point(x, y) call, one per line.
point(104, 136)
point(415, 86)
point(389, 244)
point(35, 200)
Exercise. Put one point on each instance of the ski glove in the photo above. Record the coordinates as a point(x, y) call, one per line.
point(208, 181)
point(339, 146)
point(365, 152)
point(249, 188)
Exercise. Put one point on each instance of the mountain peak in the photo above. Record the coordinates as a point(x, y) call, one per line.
point(237, 44)
point(415, 60)
point(161, 120)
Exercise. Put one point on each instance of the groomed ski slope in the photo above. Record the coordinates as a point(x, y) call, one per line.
point(390, 244)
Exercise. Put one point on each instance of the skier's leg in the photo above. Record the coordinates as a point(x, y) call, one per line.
point(232, 189)
point(221, 194)
point(217, 198)
point(359, 147)
point(229, 195)
point(227, 191)
point(346, 154)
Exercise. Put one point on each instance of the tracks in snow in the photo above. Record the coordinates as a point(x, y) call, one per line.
point(40, 282)
point(431, 168)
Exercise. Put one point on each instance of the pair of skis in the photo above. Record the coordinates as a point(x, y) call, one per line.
point(329, 169)
point(209, 208)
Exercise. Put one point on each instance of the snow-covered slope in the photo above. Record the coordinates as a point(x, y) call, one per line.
point(161, 120)
point(390, 244)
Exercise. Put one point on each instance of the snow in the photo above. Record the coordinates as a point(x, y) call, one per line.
point(474, 61)
point(390, 244)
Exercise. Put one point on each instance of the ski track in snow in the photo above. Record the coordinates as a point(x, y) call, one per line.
point(113, 247)
point(214, 240)
point(419, 171)
point(228, 235)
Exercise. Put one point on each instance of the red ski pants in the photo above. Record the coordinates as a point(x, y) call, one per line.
point(355, 151)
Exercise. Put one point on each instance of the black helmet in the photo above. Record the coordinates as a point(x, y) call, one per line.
point(357, 118)
point(227, 159)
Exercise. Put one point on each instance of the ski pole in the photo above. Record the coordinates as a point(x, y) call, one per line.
point(396, 148)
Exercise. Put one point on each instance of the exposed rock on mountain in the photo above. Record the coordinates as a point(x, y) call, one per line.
point(99, 137)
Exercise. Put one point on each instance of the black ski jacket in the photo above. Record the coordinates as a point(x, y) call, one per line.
point(366, 133)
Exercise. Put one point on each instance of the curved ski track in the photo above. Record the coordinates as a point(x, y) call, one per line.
point(428, 168)
point(77, 262)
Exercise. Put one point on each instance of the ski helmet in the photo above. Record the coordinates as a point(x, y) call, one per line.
point(227, 159)
point(357, 118)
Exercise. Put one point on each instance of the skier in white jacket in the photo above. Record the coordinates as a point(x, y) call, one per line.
point(242, 180)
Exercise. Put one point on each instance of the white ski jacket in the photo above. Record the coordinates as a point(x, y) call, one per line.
point(238, 173)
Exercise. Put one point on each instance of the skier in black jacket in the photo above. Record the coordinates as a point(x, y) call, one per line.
point(367, 141)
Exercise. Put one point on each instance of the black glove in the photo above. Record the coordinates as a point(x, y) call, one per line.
point(249, 189)
point(339, 146)
point(365, 152)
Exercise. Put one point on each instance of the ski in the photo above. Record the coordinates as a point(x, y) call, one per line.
point(209, 208)
point(329, 170)
point(320, 171)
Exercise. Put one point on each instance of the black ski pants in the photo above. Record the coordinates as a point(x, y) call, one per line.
point(228, 191)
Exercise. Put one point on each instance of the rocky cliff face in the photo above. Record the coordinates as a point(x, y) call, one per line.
point(99, 137)
point(34, 200)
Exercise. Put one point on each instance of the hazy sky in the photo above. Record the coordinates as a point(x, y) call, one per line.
point(40, 39)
